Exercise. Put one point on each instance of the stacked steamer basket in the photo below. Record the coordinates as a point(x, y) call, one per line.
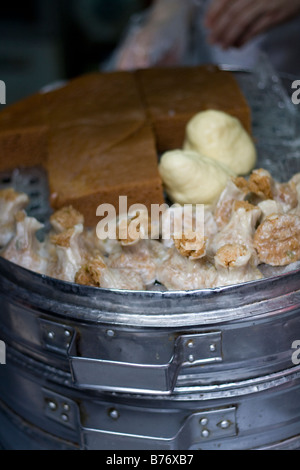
point(124, 370)
point(92, 368)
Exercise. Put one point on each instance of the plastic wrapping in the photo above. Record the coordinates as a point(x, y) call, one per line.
point(275, 119)
point(158, 36)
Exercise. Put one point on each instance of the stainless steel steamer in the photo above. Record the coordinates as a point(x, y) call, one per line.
point(153, 370)
point(98, 369)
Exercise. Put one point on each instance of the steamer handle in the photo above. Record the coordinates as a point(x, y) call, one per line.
point(99, 374)
point(198, 429)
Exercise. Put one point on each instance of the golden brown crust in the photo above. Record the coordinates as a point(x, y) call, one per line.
point(84, 278)
point(261, 184)
point(8, 195)
point(242, 184)
point(63, 239)
point(190, 247)
point(89, 273)
point(229, 253)
point(67, 217)
point(277, 240)
point(243, 205)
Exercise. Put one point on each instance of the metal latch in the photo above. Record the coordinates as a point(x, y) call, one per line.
point(198, 429)
point(99, 374)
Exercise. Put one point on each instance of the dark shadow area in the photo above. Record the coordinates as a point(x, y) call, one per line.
point(44, 41)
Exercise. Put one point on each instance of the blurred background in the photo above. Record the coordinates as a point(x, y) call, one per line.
point(44, 41)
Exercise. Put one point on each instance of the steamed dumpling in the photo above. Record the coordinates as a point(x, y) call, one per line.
point(190, 178)
point(222, 137)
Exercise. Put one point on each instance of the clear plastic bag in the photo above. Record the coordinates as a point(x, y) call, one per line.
point(156, 37)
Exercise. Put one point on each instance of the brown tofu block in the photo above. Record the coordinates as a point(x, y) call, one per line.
point(174, 95)
point(96, 97)
point(31, 112)
point(85, 170)
point(23, 148)
point(23, 133)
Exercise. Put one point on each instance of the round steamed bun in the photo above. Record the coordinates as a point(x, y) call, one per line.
point(222, 137)
point(190, 178)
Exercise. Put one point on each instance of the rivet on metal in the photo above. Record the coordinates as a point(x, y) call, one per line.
point(66, 407)
point(203, 421)
point(67, 334)
point(52, 405)
point(110, 333)
point(65, 417)
point(205, 433)
point(225, 424)
point(212, 347)
point(190, 343)
point(51, 334)
point(191, 358)
point(114, 414)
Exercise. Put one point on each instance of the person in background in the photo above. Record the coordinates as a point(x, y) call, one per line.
point(182, 32)
point(233, 23)
point(239, 30)
point(158, 36)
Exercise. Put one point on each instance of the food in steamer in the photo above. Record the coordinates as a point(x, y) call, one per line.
point(250, 222)
point(98, 136)
point(223, 138)
point(256, 221)
point(216, 146)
